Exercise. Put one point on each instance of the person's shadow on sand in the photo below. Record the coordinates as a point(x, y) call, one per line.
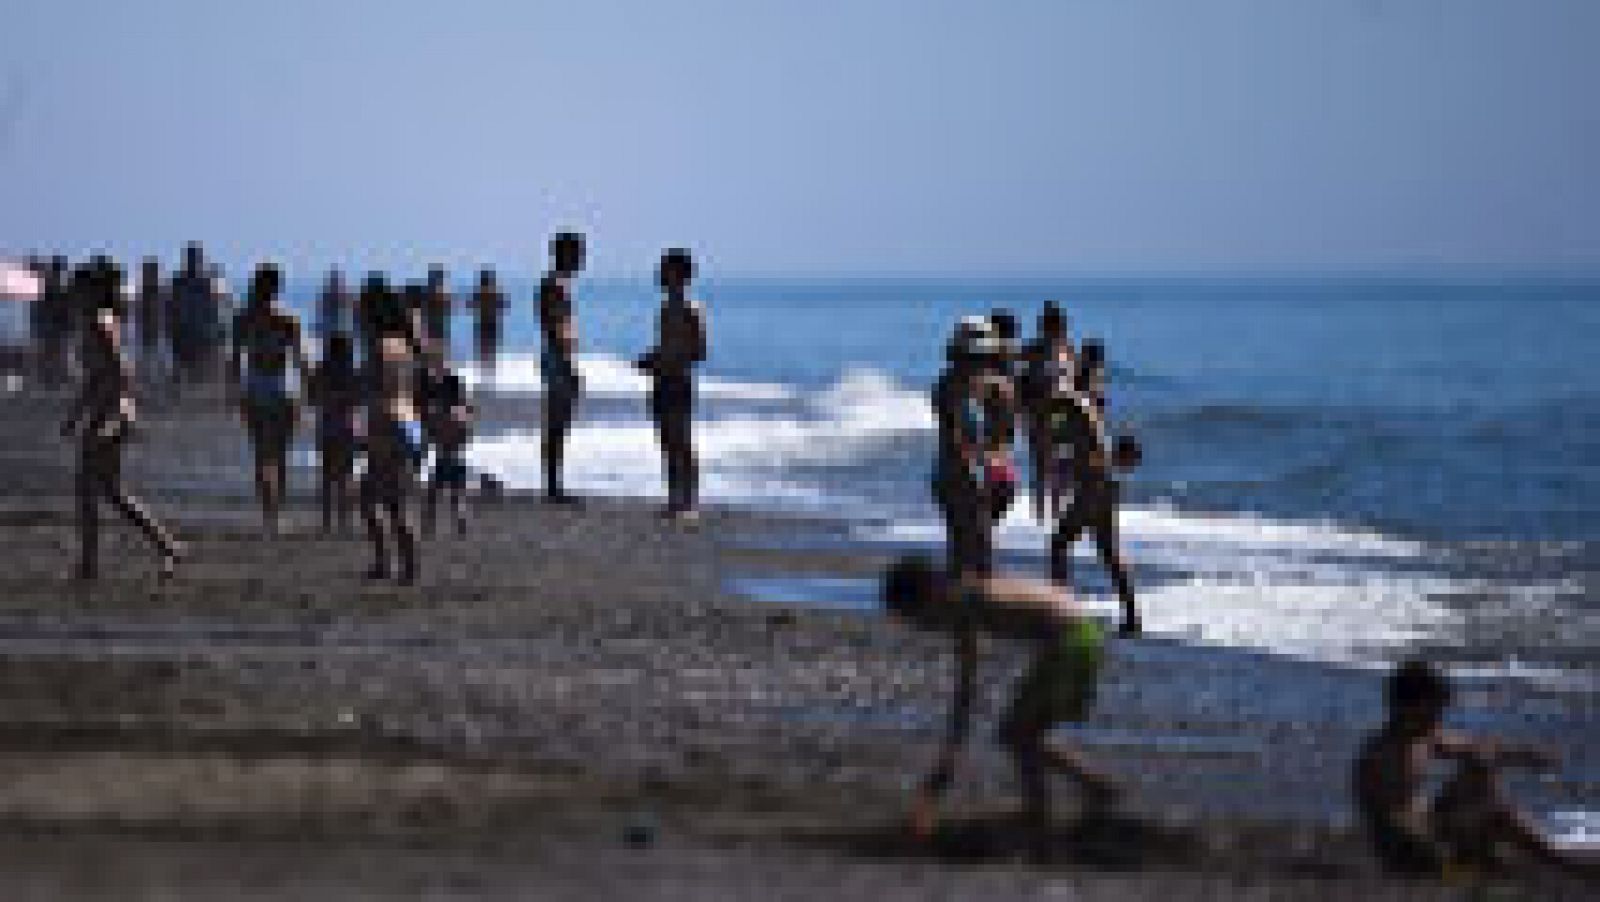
point(1111, 842)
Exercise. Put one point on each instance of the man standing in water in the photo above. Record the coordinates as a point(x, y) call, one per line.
point(680, 344)
point(105, 411)
point(1058, 687)
point(559, 362)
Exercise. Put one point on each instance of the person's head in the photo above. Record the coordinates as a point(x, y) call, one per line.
point(1417, 695)
point(566, 252)
point(335, 279)
point(973, 344)
point(486, 278)
point(414, 295)
point(58, 265)
point(1091, 363)
point(99, 286)
point(436, 278)
point(1052, 322)
point(194, 259)
point(676, 270)
point(910, 588)
point(265, 284)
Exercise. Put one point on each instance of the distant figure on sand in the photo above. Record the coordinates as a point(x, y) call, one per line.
point(559, 361)
point(104, 416)
point(266, 337)
point(333, 306)
point(1058, 687)
point(52, 321)
point(192, 323)
point(335, 390)
point(438, 306)
point(447, 423)
point(1087, 458)
point(960, 465)
point(489, 303)
point(1466, 826)
point(680, 345)
point(152, 304)
point(393, 440)
point(1048, 360)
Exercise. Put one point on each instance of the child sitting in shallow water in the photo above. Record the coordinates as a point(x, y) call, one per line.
point(1465, 825)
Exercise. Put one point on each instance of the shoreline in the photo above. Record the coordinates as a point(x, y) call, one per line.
point(559, 672)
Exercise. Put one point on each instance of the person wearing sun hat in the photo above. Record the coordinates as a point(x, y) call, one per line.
point(959, 470)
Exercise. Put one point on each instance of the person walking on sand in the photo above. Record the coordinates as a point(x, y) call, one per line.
point(1463, 828)
point(103, 416)
point(266, 337)
point(1059, 686)
point(336, 392)
point(559, 361)
point(1088, 459)
point(489, 303)
point(1048, 360)
point(960, 463)
point(680, 346)
point(393, 440)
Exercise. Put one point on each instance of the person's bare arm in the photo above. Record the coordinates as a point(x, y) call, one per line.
point(297, 351)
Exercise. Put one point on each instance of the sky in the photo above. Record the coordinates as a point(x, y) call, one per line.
point(837, 137)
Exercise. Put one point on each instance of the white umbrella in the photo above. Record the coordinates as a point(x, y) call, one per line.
point(18, 283)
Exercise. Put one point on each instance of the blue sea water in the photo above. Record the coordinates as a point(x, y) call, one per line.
point(1337, 448)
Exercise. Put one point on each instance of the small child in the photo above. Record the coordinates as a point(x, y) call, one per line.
point(1463, 826)
point(448, 415)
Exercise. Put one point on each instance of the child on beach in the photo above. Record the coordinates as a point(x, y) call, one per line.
point(1058, 686)
point(447, 419)
point(1463, 826)
point(335, 390)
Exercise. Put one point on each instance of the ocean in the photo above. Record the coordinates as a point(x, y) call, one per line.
point(1339, 468)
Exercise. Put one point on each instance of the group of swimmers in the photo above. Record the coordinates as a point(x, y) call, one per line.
point(385, 396)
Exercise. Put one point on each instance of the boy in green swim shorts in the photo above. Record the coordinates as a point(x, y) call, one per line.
point(1058, 686)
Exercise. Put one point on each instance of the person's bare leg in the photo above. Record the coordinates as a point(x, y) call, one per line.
point(430, 500)
point(458, 504)
point(556, 421)
point(1109, 547)
point(405, 538)
point(369, 515)
point(88, 518)
point(1068, 529)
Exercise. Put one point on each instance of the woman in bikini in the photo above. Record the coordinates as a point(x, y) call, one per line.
point(265, 338)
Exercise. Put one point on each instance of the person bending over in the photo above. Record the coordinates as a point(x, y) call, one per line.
point(1058, 686)
point(1465, 826)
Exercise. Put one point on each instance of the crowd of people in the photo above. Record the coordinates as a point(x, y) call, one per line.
point(386, 399)
point(388, 405)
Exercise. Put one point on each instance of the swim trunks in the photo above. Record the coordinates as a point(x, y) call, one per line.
point(1062, 683)
point(560, 376)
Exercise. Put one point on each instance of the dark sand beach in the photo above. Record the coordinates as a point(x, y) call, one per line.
point(572, 704)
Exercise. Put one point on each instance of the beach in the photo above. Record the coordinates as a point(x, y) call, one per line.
point(574, 700)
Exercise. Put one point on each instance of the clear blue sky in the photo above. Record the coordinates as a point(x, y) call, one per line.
point(814, 136)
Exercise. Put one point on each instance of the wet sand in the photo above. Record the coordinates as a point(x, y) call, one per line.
point(572, 704)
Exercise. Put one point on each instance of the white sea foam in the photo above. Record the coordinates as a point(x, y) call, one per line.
point(1315, 589)
point(608, 376)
